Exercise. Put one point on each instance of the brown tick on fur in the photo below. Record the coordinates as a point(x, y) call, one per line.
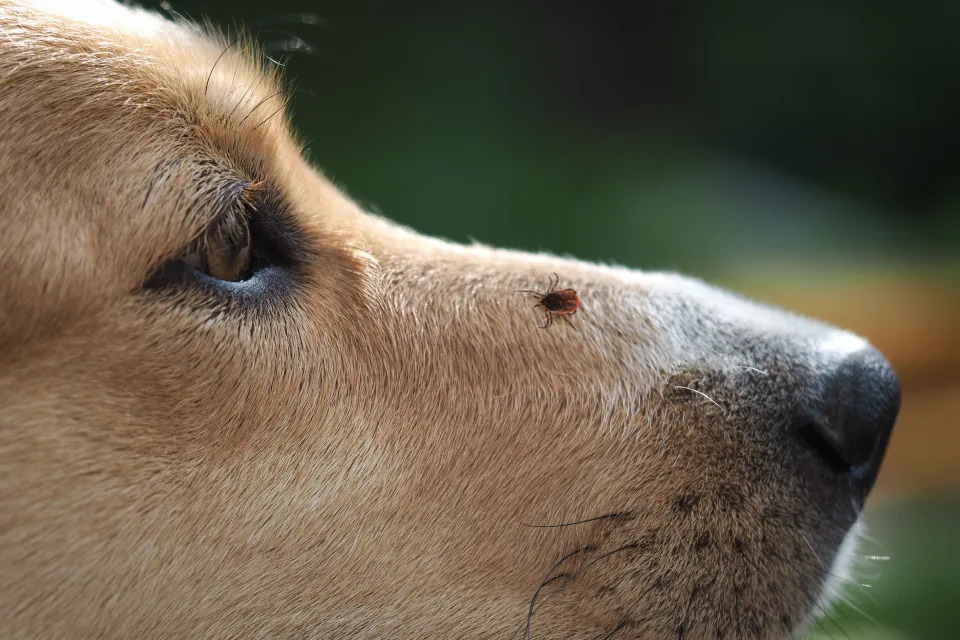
point(563, 303)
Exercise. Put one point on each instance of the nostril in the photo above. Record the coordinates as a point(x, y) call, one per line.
point(821, 443)
point(857, 409)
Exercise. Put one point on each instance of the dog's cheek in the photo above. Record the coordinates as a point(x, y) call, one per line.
point(195, 375)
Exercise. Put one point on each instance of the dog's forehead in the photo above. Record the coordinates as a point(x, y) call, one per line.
point(156, 67)
point(110, 82)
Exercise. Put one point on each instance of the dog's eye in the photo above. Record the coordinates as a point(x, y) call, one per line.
point(251, 250)
point(225, 251)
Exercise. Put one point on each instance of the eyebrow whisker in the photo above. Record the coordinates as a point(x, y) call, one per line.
point(216, 62)
point(264, 121)
point(257, 106)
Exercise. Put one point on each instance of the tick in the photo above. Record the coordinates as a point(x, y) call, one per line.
point(563, 303)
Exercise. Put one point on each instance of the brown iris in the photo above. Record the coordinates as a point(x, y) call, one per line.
point(224, 250)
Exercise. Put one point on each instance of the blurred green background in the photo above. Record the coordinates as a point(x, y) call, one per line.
point(804, 152)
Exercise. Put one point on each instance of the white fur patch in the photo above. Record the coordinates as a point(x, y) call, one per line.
point(106, 13)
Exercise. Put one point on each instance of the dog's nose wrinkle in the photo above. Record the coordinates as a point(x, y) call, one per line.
point(857, 409)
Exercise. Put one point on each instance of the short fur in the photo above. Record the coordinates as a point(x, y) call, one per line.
point(371, 449)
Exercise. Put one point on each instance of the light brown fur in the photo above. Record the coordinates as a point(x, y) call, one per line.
point(361, 455)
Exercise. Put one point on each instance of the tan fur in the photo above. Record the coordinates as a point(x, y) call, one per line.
point(362, 455)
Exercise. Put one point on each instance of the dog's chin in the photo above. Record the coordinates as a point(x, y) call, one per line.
point(842, 573)
point(840, 576)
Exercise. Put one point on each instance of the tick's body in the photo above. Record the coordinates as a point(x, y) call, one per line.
point(564, 302)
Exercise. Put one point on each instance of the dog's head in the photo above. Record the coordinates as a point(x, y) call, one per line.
point(236, 405)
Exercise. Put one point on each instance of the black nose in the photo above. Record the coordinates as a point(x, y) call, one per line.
point(850, 423)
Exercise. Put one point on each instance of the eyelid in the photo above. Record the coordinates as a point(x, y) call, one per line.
point(235, 194)
point(234, 203)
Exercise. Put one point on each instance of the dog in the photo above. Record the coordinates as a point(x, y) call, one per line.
point(235, 405)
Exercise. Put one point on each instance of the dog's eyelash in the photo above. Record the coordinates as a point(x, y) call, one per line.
point(230, 224)
point(238, 213)
point(225, 242)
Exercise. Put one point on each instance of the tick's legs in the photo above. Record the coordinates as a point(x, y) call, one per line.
point(546, 313)
point(569, 321)
point(553, 283)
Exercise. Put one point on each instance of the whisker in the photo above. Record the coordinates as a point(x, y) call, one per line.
point(848, 601)
point(275, 62)
point(620, 625)
point(262, 122)
point(546, 579)
point(849, 620)
point(754, 369)
point(701, 393)
point(216, 62)
point(825, 612)
point(810, 546)
point(819, 595)
point(826, 571)
point(570, 524)
point(242, 98)
point(689, 548)
point(604, 556)
point(257, 106)
point(633, 605)
point(686, 615)
point(760, 574)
